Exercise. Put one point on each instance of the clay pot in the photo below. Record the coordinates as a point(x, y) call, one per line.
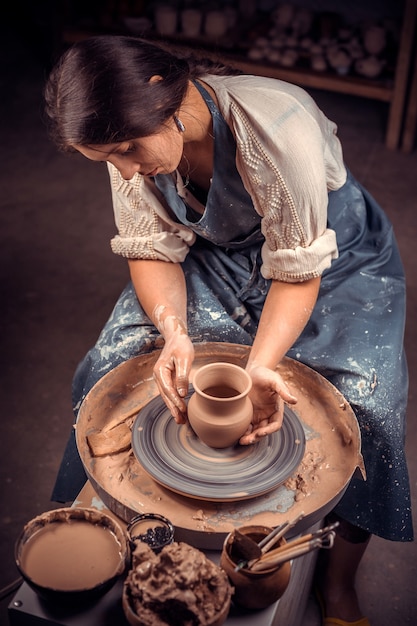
point(289, 57)
point(165, 19)
point(318, 63)
point(191, 20)
point(371, 66)
point(374, 39)
point(254, 590)
point(219, 410)
point(339, 59)
point(215, 24)
point(302, 21)
point(283, 15)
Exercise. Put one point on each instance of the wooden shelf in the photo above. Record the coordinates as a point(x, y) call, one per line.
point(410, 116)
point(373, 89)
point(390, 90)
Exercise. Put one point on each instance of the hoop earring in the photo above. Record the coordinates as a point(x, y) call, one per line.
point(179, 124)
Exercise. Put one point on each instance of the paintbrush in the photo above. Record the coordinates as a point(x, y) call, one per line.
point(322, 534)
point(277, 534)
point(286, 555)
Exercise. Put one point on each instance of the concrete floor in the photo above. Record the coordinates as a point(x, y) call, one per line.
point(59, 281)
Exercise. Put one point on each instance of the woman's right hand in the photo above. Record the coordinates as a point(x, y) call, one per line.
point(162, 292)
point(171, 372)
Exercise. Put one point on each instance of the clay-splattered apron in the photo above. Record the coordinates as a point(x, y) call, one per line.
point(354, 337)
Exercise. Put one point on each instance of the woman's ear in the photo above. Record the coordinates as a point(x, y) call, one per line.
point(155, 79)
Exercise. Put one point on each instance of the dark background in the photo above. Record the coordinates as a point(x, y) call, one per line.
point(59, 281)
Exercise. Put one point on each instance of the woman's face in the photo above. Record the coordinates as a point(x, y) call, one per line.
point(156, 154)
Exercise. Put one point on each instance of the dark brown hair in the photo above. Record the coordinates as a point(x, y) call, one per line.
point(99, 91)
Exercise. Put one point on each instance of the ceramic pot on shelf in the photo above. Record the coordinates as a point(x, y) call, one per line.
point(370, 67)
point(165, 19)
point(374, 39)
point(191, 21)
point(215, 24)
point(219, 410)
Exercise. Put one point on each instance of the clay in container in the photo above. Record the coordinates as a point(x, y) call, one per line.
point(180, 585)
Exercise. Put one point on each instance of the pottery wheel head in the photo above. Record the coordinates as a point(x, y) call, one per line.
point(177, 459)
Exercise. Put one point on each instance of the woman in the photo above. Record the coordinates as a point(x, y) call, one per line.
point(240, 223)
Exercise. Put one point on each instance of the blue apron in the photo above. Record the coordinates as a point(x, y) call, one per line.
point(354, 337)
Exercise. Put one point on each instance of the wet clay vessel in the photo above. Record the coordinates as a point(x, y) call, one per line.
point(219, 410)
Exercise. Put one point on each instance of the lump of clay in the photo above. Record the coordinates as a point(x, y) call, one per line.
point(111, 441)
point(179, 586)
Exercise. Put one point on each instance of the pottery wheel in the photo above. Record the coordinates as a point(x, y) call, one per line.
point(331, 455)
point(177, 459)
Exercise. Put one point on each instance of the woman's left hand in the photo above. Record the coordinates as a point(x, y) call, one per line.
point(268, 394)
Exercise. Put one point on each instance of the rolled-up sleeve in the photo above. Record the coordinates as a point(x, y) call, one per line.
point(145, 228)
point(300, 263)
point(286, 177)
point(289, 159)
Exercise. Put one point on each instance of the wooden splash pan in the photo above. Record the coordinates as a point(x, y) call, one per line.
point(331, 456)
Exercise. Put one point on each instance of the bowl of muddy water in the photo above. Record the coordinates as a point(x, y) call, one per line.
point(72, 555)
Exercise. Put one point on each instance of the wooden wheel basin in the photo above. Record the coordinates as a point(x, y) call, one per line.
point(331, 455)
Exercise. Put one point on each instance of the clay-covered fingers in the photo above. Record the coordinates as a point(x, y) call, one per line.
point(263, 427)
point(164, 376)
point(268, 394)
point(268, 387)
point(171, 373)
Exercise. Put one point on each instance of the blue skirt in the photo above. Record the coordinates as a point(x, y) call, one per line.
point(354, 338)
